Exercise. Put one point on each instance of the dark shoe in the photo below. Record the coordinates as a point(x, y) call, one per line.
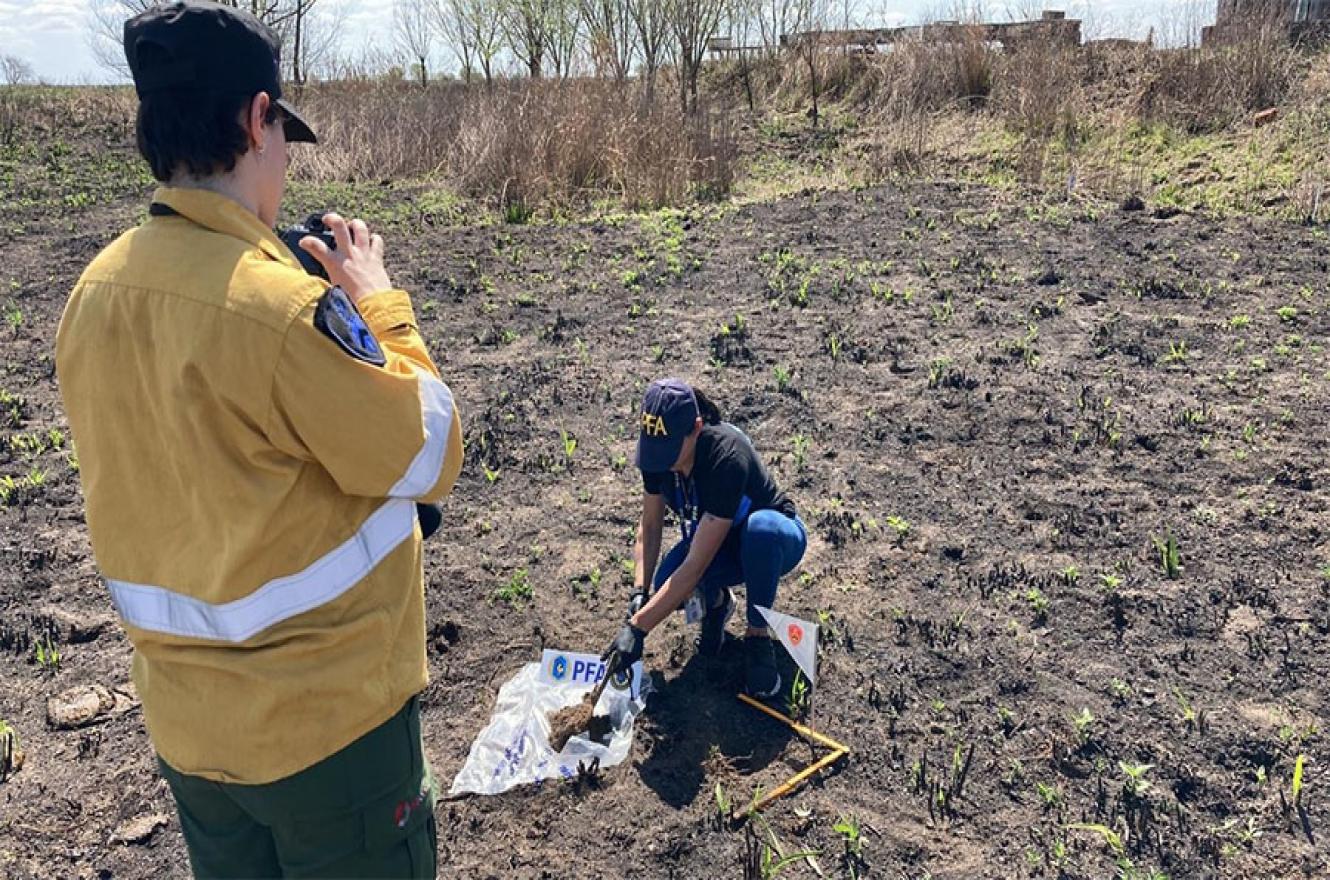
point(712, 637)
point(762, 677)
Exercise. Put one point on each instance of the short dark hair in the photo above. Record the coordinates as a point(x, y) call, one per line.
point(193, 130)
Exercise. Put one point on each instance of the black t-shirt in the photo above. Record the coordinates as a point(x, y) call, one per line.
point(728, 481)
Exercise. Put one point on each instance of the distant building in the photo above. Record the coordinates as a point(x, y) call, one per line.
point(1293, 11)
point(1303, 19)
point(1052, 27)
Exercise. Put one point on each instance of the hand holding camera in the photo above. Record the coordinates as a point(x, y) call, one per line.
point(350, 257)
point(346, 254)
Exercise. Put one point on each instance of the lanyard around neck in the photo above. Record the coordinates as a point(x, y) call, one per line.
point(685, 497)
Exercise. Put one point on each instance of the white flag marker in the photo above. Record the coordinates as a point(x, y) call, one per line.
point(799, 638)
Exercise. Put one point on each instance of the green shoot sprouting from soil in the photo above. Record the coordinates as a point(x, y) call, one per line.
point(48, 655)
point(723, 805)
point(797, 704)
point(517, 589)
point(851, 834)
point(1136, 783)
point(1084, 724)
point(1170, 557)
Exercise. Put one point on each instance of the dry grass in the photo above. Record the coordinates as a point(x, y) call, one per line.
point(519, 144)
point(41, 112)
point(517, 147)
point(1116, 118)
point(922, 76)
point(13, 111)
point(1213, 87)
point(1044, 88)
point(1038, 91)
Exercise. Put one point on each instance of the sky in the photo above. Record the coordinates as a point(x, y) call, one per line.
point(54, 36)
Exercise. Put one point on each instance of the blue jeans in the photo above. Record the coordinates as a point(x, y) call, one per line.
point(770, 545)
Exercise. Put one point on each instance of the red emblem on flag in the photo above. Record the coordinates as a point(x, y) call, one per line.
point(796, 634)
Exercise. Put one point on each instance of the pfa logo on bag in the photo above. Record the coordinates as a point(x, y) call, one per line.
point(560, 668)
point(566, 669)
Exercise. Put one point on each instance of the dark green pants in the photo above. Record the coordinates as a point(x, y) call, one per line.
point(364, 812)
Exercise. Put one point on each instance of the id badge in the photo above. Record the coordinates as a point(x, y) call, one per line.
point(693, 611)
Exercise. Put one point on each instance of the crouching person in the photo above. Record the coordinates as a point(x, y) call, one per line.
point(737, 528)
point(253, 443)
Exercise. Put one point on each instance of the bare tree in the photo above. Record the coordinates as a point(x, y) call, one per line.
point(693, 23)
point(107, 21)
point(651, 20)
point(526, 23)
point(811, 21)
point(848, 10)
point(775, 19)
point(1023, 10)
point(299, 35)
point(370, 61)
point(307, 38)
point(485, 19)
point(473, 29)
point(743, 24)
point(563, 36)
point(14, 71)
point(452, 30)
point(270, 11)
point(106, 31)
point(1184, 26)
point(320, 40)
point(611, 37)
point(413, 33)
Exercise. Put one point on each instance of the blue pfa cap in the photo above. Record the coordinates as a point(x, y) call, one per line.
point(669, 412)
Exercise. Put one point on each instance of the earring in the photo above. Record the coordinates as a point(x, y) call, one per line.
point(263, 148)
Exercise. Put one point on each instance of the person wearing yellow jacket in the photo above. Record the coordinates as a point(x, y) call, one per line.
point(252, 445)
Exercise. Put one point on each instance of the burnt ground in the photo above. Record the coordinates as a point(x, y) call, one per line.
point(988, 409)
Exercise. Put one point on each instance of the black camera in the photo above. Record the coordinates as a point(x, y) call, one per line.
point(313, 225)
point(430, 515)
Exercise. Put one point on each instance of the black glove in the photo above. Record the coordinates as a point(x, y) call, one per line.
point(639, 599)
point(625, 650)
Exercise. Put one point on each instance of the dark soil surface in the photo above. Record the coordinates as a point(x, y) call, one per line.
point(988, 410)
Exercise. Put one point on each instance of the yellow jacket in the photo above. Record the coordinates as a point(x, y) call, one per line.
point(250, 489)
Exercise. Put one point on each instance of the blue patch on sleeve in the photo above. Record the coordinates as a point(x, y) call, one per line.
point(340, 321)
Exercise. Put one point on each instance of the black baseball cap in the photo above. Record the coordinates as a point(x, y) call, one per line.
point(199, 44)
point(669, 413)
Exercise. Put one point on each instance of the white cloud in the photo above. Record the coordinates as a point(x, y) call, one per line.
point(42, 13)
point(372, 15)
point(370, 21)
